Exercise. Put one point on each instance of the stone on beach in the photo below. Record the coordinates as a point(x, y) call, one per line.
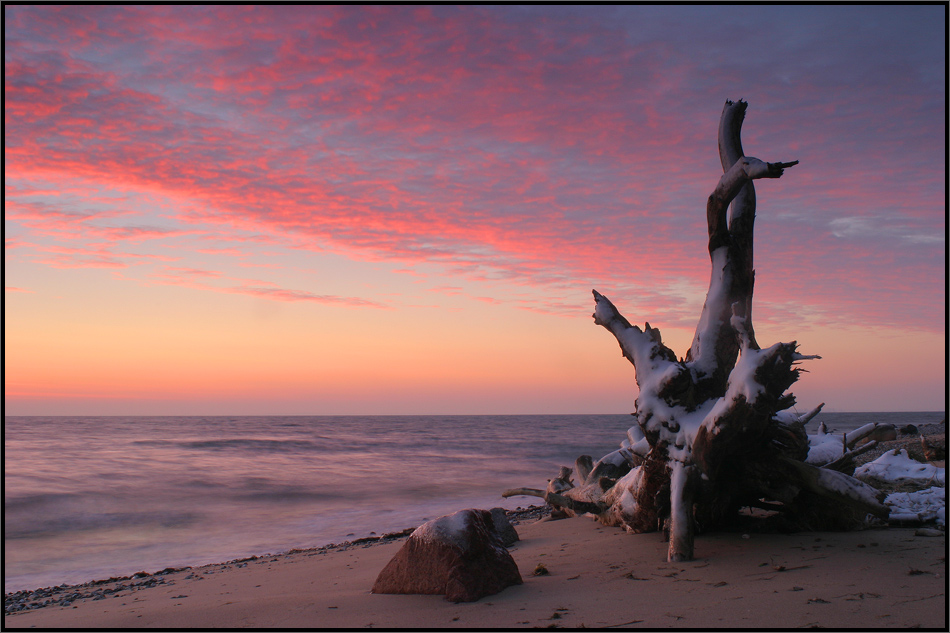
point(881, 433)
point(459, 555)
point(506, 531)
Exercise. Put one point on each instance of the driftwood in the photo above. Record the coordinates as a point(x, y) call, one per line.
point(712, 432)
point(846, 463)
point(934, 449)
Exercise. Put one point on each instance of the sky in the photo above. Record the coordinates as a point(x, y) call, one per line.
point(304, 210)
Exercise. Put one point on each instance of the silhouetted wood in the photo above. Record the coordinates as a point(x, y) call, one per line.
point(712, 434)
point(934, 449)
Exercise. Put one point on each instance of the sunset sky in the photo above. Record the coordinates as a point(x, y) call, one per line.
point(402, 210)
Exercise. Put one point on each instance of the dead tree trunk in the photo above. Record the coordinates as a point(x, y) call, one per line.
point(709, 438)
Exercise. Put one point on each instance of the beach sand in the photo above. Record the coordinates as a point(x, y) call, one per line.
point(599, 577)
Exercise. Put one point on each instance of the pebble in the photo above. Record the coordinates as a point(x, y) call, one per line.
point(910, 443)
point(65, 596)
point(531, 513)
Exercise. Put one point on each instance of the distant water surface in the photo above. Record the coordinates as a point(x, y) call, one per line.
point(94, 497)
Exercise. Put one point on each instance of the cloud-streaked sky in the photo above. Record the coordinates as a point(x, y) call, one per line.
point(321, 210)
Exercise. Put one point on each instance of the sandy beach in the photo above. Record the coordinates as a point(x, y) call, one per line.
point(598, 577)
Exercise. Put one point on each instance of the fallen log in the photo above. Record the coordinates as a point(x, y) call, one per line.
point(528, 492)
point(837, 486)
point(846, 463)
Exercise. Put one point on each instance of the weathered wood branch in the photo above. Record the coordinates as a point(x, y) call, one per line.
point(527, 492)
point(715, 347)
point(839, 487)
point(684, 483)
point(582, 466)
point(574, 505)
point(805, 419)
point(852, 438)
point(846, 463)
point(643, 348)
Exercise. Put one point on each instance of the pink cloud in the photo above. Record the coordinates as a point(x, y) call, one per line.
point(83, 258)
point(222, 251)
point(283, 294)
point(10, 243)
point(202, 279)
point(555, 152)
point(174, 271)
point(92, 256)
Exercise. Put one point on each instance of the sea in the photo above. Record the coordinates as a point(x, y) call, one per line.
point(90, 498)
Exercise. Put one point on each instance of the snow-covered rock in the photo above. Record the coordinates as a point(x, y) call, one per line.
point(459, 555)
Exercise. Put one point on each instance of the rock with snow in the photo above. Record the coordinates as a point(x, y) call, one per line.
point(897, 466)
point(459, 555)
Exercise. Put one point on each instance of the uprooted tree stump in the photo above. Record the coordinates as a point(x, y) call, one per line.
point(713, 434)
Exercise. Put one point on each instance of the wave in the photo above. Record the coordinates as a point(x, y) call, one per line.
point(291, 496)
point(240, 444)
point(31, 502)
point(38, 527)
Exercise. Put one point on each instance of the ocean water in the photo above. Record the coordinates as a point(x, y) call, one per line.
point(93, 497)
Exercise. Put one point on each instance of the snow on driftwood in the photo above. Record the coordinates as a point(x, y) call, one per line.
point(824, 448)
point(897, 466)
point(921, 505)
